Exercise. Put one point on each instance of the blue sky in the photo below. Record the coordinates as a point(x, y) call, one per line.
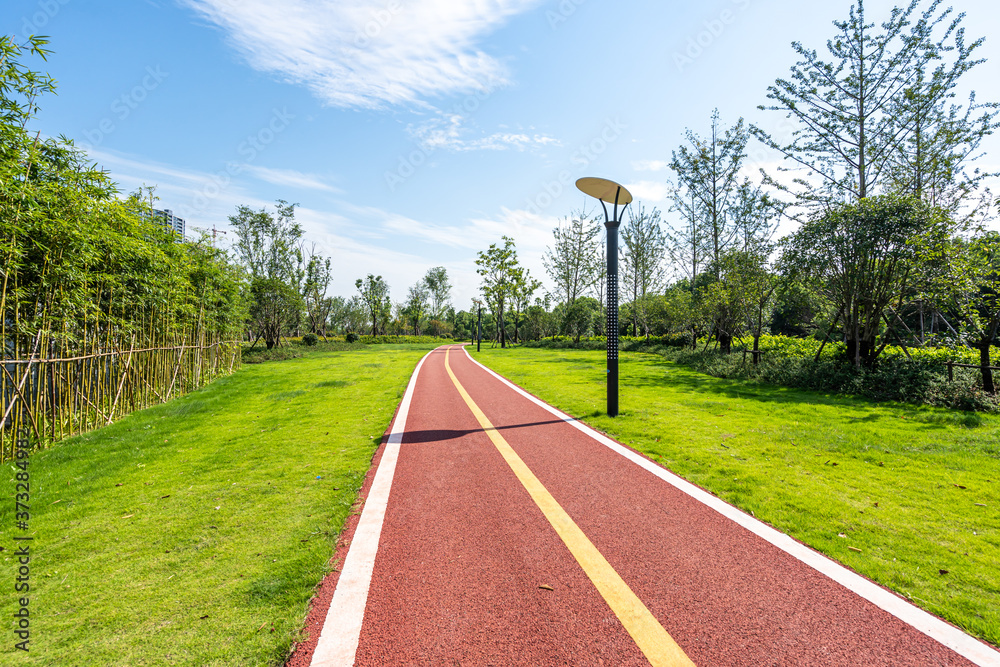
point(414, 133)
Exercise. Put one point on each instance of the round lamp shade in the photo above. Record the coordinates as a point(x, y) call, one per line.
point(605, 190)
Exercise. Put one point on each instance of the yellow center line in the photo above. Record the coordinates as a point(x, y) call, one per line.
point(652, 639)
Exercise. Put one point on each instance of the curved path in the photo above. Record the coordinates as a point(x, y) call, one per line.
point(498, 531)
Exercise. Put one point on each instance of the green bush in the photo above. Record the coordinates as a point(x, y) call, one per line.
point(893, 378)
point(310, 339)
point(396, 340)
point(352, 337)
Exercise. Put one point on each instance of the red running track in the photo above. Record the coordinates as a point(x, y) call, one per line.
point(469, 571)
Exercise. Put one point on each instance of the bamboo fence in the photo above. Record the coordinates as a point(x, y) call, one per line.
point(50, 395)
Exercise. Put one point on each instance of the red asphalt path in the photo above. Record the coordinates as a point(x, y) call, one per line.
point(464, 553)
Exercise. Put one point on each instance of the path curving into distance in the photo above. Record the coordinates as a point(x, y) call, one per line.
point(499, 531)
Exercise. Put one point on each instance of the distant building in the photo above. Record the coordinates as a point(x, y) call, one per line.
point(167, 218)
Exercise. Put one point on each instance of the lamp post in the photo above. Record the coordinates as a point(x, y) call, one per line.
point(611, 193)
point(479, 336)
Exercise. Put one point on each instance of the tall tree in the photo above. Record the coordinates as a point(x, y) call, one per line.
point(317, 281)
point(571, 261)
point(708, 171)
point(267, 244)
point(755, 217)
point(415, 307)
point(939, 142)
point(499, 267)
point(374, 293)
point(847, 134)
point(686, 242)
point(439, 287)
point(643, 248)
point(524, 288)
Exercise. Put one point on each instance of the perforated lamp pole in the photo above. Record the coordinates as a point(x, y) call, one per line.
point(609, 192)
point(479, 337)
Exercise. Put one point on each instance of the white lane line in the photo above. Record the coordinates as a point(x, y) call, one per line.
point(338, 640)
point(965, 645)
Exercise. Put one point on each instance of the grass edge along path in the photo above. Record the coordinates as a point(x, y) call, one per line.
point(906, 496)
point(195, 532)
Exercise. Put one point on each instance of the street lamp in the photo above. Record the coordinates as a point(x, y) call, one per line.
point(479, 338)
point(615, 194)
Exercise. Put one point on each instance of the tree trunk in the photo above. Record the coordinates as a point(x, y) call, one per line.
point(756, 349)
point(725, 342)
point(984, 363)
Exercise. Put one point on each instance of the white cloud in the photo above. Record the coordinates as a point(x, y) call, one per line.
point(649, 191)
point(290, 177)
point(650, 165)
point(449, 131)
point(368, 53)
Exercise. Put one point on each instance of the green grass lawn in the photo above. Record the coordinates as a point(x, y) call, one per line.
point(915, 490)
point(193, 533)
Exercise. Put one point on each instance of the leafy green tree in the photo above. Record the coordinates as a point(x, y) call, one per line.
point(374, 292)
point(643, 250)
point(523, 289)
point(439, 289)
point(846, 108)
point(863, 257)
point(499, 269)
point(267, 245)
point(753, 285)
point(939, 141)
point(580, 316)
point(572, 261)
point(707, 172)
point(317, 281)
point(971, 288)
point(416, 304)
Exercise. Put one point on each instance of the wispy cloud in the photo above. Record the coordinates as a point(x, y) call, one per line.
point(451, 132)
point(290, 177)
point(368, 53)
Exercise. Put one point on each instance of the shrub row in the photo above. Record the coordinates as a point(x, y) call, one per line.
point(790, 362)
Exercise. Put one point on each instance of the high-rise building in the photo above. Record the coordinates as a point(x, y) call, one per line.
point(167, 218)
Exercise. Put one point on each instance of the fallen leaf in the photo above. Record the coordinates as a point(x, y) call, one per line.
point(854, 549)
point(980, 505)
point(958, 486)
point(166, 496)
point(202, 618)
point(118, 484)
point(546, 587)
point(58, 501)
point(841, 535)
point(128, 516)
point(880, 463)
point(943, 571)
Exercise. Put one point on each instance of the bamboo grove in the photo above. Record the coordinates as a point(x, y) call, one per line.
point(103, 311)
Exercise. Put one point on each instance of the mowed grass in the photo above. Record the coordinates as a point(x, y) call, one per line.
point(915, 490)
point(194, 533)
